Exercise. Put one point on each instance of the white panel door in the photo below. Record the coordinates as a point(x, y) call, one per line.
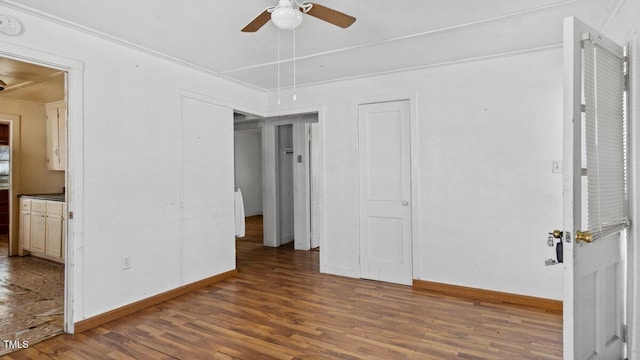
point(208, 235)
point(385, 192)
point(594, 272)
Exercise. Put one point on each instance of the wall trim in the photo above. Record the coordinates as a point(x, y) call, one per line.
point(550, 305)
point(220, 102)
point(225, 74)
point(74, 182)
point(116, 40)
point(122, 311)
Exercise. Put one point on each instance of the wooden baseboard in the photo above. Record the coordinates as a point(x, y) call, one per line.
point(114, 314)
point(489, 295)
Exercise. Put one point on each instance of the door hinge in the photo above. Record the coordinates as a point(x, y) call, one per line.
point(70, 215)
point(624, 333)
point(625, 67)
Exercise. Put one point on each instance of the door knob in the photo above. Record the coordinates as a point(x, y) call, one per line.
point(556, 234)
point(584, 236)
point(405, 203)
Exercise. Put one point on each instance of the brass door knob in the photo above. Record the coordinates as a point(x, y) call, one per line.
point(584, 236)
point(557, 234)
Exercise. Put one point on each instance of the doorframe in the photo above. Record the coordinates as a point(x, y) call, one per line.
point(633, 248)
point(412, 97)
point(14, 122)
point(303, 227)
point(74, 182)
point(274, 196)
point(317, 190)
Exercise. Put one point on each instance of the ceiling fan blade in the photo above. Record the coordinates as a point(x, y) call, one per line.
point(329, 15)
point(258, 22)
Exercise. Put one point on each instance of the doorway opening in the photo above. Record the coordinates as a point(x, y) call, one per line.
point(32, 201)
point(274, 173)
point(248, 179)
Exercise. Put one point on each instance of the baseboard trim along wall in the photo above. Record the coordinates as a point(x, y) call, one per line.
point(489, 295)
point(114, 314)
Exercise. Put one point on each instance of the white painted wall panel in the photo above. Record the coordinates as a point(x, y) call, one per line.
point(208, 235)
point(487, 134)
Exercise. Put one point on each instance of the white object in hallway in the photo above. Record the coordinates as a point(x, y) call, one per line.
point(239, 213)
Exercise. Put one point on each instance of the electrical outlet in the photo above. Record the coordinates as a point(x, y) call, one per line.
point(126, 263)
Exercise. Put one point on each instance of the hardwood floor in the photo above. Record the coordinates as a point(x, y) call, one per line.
point(281, 307)
point(31, 298)
point(254, 229)
point(4, 246)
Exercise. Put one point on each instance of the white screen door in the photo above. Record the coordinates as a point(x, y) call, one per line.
point(385, 191)
point(593, 136)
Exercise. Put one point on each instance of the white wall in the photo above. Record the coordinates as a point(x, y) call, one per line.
point(132, 180)
point(248, 169)
point(487, 133)
point(207, 239)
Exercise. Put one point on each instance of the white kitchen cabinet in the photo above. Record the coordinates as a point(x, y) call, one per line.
point(42, 228)
point(25, 230)
point(56, 135)
point(54, 229)
point(38, 225)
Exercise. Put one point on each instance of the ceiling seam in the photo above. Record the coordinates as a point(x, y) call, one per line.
point(425, 33)
point(421, 67)
point(614, 14)
point(119, 41)
point(223, 74)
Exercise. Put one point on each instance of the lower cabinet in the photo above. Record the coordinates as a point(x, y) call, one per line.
point(42, 228)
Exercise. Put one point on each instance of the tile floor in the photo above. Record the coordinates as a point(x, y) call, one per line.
point(31, 298)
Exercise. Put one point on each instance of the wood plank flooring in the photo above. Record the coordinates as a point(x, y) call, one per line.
point(281, 307)
point(4, 245)
point(254, 229)
point(31, 298)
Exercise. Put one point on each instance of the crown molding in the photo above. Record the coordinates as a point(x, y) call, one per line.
point(99, 34)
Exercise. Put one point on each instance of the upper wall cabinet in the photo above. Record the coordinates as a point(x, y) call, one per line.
point(56, 135)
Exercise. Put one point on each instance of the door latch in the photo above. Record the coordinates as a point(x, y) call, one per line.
point(551, 241)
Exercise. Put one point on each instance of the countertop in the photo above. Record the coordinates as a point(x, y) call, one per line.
point(50, 197)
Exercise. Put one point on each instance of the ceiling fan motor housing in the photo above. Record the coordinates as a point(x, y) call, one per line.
point(285, 17)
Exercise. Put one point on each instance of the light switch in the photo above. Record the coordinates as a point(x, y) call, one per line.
point(556, 166)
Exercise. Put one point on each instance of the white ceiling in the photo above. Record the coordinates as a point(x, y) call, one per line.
point(389, 35)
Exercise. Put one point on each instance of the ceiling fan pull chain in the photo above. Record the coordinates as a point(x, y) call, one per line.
point(278, 66)
point(294, 64)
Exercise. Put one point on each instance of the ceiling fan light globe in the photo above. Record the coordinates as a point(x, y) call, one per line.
point(286, 18)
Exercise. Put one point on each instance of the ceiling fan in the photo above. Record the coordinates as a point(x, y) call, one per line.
point(287, 17)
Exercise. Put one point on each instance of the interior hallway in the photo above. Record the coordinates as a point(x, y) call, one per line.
point(254, 229)
point(31, 298)
point(281, 307)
